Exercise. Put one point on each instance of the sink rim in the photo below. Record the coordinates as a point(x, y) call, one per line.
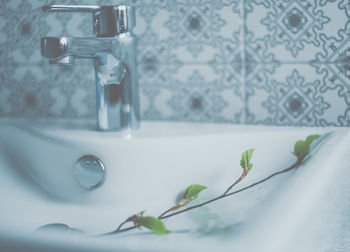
point(79, 128)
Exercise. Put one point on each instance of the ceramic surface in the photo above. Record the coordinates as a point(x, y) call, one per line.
point(147, 169)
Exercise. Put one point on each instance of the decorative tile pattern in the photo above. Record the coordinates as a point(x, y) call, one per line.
point(294, 102)
point(194, 24)
point(336, 53)
point(296, 98)
point(294, 24)
point(268, 62)
point(196, 99)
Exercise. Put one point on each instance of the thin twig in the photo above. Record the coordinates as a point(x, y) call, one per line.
point(224, 195)
point(121, 230)
point(296, 164)
point(122, 224)
point(165, 212)
point(245, 172)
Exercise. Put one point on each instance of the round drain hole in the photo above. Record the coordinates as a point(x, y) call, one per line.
point(89, 172)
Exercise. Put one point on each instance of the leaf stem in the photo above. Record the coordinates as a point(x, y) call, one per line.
point(244, 173)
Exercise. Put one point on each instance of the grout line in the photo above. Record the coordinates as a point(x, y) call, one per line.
point(203, 63)
point(207, 63)
point(263, 63)
point(243, 64)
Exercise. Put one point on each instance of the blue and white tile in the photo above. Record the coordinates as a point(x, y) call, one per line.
point(155, 61)
point(153, 100)
point(194, 64)
point(229, 107)
point(228, 62)
point(344, 5)
point(296, 98)
point(199, 26)
point(30, 97)
point(5, 107)
point(344, 119)
point(74, 102)
point(196, 96)
point(336, 73)
point(77, 84)
point(8, 66)
point(294, 27)
point(23, 25)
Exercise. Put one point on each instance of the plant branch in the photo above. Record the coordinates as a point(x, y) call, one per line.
point(245, 172)
point(165, 214)
point(295, 165)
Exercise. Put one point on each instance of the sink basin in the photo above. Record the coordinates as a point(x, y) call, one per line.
point(148, 168)
point(159, 156)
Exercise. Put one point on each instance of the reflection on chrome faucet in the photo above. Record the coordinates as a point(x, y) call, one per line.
point(113, 51)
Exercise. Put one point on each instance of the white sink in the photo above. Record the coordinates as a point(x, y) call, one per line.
point(148, 168)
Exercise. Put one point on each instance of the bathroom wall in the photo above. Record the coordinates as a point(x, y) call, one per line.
point(274, 62)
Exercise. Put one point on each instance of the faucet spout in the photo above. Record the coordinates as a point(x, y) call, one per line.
point(58, 48)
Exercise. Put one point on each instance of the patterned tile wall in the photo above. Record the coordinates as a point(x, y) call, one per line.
point(274, 62)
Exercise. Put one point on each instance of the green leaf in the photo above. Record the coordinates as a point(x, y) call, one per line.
point(188, 195)
point(154, 224)
point(245, 159)
point(311, 138)
point(302, 147)
point(192, 192)
point(299, 148)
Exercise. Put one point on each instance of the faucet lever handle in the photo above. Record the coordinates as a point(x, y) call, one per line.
point(108, 21)
point(71, 8)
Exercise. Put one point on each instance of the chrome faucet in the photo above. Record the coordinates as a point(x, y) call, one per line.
point(114, 54)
